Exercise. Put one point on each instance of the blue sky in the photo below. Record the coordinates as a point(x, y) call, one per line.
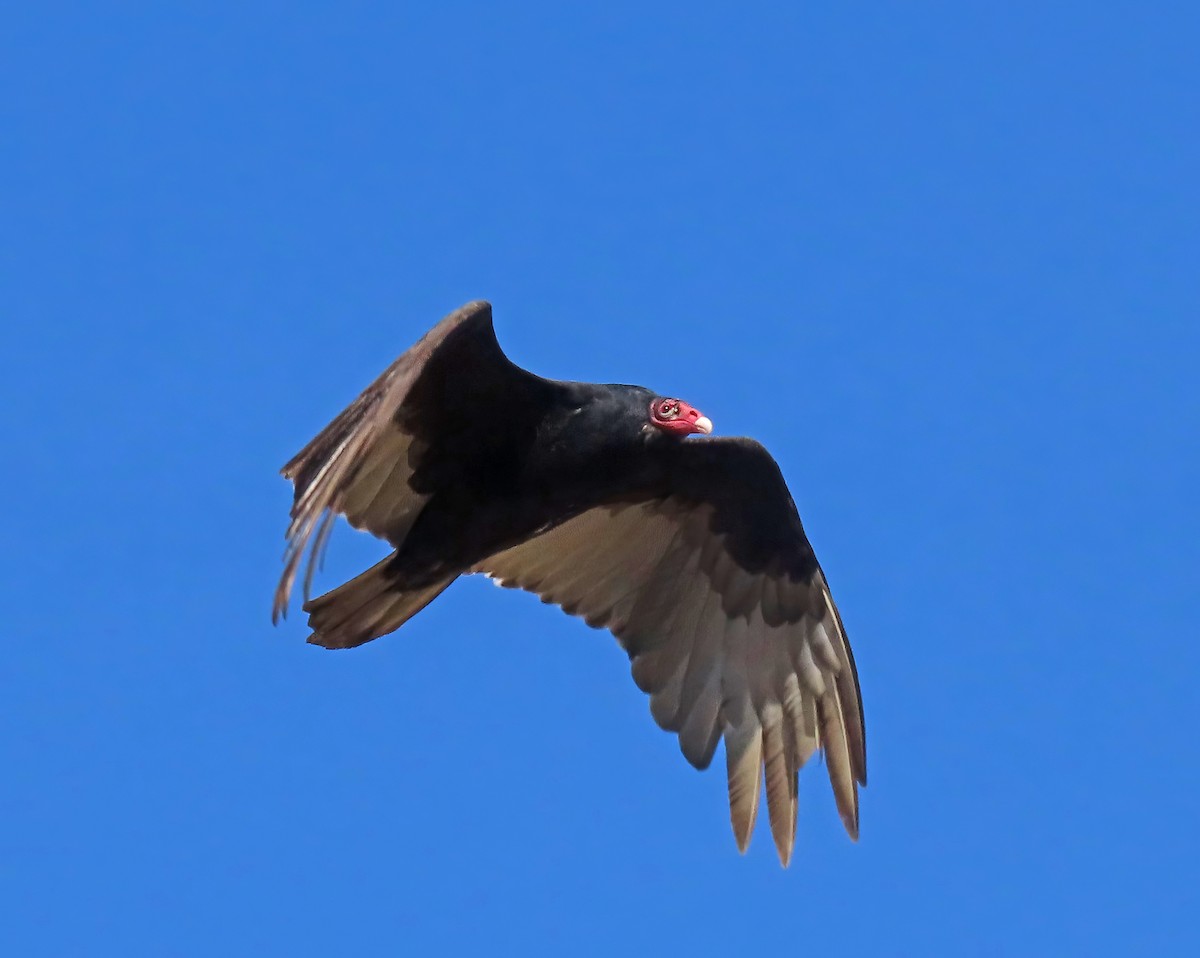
point(940, 257)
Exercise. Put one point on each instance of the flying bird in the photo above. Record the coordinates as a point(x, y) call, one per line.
point(689, 550)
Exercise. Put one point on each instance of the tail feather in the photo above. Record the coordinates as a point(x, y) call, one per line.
point(368, 606)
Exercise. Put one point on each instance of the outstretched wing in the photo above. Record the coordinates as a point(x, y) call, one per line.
point(381, 458)
point(716, 595)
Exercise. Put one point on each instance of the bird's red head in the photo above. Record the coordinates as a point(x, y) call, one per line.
point(676, 417)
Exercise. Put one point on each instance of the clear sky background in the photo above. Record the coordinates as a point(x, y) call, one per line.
point(942, 258)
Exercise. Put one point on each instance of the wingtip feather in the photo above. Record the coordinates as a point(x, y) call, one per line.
point(780, 806)
point(837, 761)
point(743, 756)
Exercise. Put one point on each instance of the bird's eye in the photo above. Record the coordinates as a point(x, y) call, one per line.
point(669, 409)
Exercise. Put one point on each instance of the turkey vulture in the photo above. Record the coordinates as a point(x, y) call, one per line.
point(690, 551)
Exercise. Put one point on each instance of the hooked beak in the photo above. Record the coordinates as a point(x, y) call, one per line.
point(703, 425)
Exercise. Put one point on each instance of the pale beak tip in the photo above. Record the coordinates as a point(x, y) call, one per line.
point(703, 425)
